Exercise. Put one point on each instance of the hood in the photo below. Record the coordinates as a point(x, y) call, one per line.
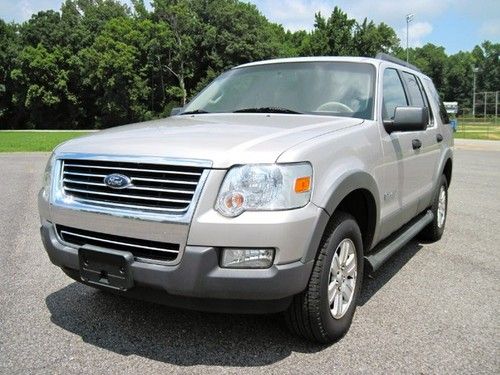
point(223, 139)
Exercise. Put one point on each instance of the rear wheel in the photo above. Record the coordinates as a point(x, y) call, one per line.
point(323, 312)
point(434, 231)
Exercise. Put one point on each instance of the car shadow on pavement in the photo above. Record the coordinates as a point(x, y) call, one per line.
point(175, 336)
point(188, 338)
point(373, 283)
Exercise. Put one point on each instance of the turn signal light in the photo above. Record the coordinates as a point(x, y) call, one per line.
point(303, 184)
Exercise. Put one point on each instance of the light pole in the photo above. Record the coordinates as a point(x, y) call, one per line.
point(409, 18)
point(485, 103)
point(474, 71)
point(496, 106)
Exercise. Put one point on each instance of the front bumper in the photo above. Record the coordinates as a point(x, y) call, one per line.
point(194, 279)
point(199, 277)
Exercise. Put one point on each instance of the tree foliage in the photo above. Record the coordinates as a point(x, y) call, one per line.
point(100, 63)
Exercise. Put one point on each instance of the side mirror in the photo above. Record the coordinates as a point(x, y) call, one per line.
point(408, 119)
point(175, 111)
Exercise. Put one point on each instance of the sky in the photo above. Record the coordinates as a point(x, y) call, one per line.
point(454, 24)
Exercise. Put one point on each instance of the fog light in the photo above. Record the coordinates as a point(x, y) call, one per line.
point(247, 258)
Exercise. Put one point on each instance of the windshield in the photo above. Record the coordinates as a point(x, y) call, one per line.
point(322, 88)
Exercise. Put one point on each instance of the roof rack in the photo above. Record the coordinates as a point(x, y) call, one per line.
point(395, 60)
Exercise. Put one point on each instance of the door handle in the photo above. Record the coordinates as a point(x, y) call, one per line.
point(416, 144)
point(439, 138)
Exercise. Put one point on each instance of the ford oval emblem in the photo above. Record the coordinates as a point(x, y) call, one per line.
point(117, 181)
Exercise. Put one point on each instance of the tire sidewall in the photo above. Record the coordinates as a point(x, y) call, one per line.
point(435, 207)
point(338, 327)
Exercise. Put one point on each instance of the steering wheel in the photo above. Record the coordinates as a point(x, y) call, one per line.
point(334, 107)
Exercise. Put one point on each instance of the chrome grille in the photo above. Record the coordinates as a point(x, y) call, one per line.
point(143, 250)
point(154, 187)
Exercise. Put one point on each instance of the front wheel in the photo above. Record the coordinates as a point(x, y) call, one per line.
point(323, 312)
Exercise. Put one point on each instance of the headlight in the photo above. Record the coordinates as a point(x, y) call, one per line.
point(47, 177)
point(265, 187)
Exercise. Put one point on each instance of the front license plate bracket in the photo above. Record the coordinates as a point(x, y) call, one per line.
point(105, 267)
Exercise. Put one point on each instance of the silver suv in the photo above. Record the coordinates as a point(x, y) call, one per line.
point(276, 189)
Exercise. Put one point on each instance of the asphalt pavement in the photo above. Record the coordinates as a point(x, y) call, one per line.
point(433, 308)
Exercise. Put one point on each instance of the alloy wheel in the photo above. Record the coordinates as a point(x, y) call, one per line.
point(342, 278)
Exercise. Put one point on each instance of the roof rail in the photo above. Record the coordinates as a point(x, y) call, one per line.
point(395, 60)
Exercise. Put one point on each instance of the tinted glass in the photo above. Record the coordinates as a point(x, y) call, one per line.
point(394, 94)
point(435, 96)
point(323, 88)
point(426, 101)
point(414, 90)
point(442, 112)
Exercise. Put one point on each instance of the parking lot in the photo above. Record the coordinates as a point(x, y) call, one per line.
point(433, 308)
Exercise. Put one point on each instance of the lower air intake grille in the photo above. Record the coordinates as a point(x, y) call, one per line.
point(143, 250)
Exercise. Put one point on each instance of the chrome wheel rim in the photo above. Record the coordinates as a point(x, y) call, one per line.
point(342, 279)
point(441, 211)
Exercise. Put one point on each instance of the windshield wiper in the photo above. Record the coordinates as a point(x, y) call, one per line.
point(267, 110)
point(195, 112)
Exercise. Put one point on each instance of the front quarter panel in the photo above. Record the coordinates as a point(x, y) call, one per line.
point(289, 232)
point(342, 161)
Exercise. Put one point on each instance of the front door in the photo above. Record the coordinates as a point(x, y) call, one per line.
point(419, 183)
point(408, 156)
point(395, 152)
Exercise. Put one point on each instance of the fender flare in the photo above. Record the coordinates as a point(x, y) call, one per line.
point(447, 155)
point(347, 184)
point(342, 188)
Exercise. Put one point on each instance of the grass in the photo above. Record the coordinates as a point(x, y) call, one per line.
point(33, 141)
point(478, 130)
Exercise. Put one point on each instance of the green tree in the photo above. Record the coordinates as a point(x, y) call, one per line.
point(181, 57)
point(370, 39)
point(98, 63)
point(233, 33)
point(43, 28)
point(9, 46)
point(487, 59)
point(118, 70)
point(41, 90)
point(459, 77)
point(431, 59)
point(332, 36)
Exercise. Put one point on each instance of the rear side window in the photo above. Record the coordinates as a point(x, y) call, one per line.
point(445, 119)
point(417, 100)
point(417, 93)
point(442, 112)
point(393, 95)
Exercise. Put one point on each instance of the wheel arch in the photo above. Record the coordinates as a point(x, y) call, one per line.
point(356, 194)
point(361, 204)
point(447, 170)
point(445, 166)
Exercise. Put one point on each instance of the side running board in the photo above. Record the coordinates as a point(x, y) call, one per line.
point(387, 248)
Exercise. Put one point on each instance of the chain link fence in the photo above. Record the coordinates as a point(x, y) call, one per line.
point(478, 127)
point(482, 121)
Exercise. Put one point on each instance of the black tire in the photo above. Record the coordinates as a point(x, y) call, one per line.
point(433, 232)
point(309, 314)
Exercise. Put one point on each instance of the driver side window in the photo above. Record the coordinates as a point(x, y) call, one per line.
point(393, 94)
